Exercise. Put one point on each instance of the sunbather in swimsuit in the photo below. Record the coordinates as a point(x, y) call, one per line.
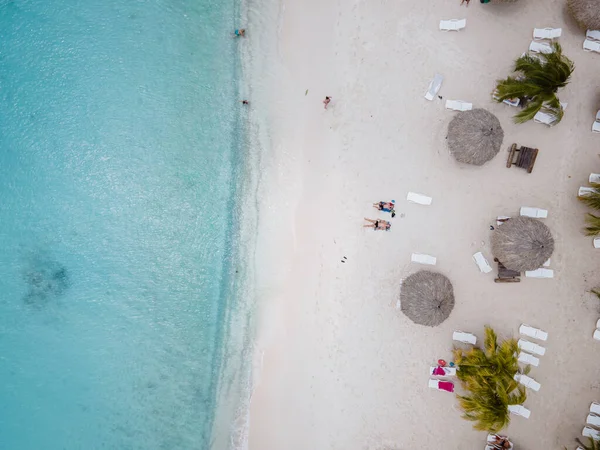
point(378, 224)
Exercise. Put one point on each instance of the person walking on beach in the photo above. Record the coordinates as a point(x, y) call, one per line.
point(378, 224)
point(465, 1)
point(242, 32)
point(327, 101)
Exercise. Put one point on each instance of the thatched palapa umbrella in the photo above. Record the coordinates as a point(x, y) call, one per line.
point(475, 137)
point(586, 13)
point(427, 298)
point(522, 243)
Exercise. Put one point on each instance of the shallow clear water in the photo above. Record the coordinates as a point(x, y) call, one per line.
point(118, 153)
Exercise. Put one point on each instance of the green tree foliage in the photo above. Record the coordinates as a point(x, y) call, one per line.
point(488, 377)
point(592, 444)
point(538, 80)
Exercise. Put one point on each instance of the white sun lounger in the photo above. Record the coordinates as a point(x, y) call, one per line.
point(434, 87)
point(459, 105)
point(593, 34)
point(482, 263)
point(595, 408)
point(526, 358)
point(435, 384)
point(537, 213)
point(531, 347)
point(508, 101)
point(591, 432)
point(453, 24)
point(596, 242)
point(449, 371)
point(546, 33)
point(596, 335)
point(540, 273)
point(527, 382)
point(593, 419)
point(596, 127)
point(423, 259)
point(548, 118)
point(594, 177)
point(501, 219)
point(598, 324)
point(535, 333)
point(540, 47)
point(418, 198)
point(584, 190)
point(519, 410)
point(591, 46)
point(466, 338)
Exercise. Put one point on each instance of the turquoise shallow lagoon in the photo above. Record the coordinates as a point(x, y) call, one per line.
point(120, 151)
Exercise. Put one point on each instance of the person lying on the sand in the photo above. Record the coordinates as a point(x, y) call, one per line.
point(378, 224)
point(384, 206)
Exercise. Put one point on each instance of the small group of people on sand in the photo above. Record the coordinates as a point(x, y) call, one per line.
point(379, 224)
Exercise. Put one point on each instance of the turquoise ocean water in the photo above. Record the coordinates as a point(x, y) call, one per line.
point(120, 153)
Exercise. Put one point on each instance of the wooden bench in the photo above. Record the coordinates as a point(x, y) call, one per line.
point(506, 275)
point(525, 157)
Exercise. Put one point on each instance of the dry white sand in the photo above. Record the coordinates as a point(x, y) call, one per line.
point(338, 366)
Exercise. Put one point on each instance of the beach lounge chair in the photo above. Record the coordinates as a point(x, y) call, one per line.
point(548, 119)
point(593, 34)
point(584, 190)
point(593, 419)
point(501, 219)
point(525, 157)
point(596, 242)
point(493, 442)
point(535, 333)
point(453, 24)
point(508, 101)
point(594, 177)
point(527, 382)
point(591, 433)
point(546, 33)
point(437, 371)
point(540, 47)
point(596, 127)
point(536, 213)
point(459, 105)
point(526, 358)
point(595, 408)
point(540, 273)
point(447, 386)
point(531, 347)
point(506, 275)
point(482, 263)
point(418, 198)
point(465, 338)
point(434, 87)
point(423, 259)
point(598, 324)
point(596, 334)
point(591, 46)
point(519, 410)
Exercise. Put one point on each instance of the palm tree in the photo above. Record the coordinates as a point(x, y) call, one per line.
point(592, 199)
point(593, 225)
point(539, 79)
point(488, 376)
point(593, 444)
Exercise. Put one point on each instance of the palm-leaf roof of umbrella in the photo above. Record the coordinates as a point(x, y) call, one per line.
point(475, 136)
point(586, 13)
point(427, 298)
point(522, 243)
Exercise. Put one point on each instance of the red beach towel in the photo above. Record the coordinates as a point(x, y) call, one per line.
point(447, 386)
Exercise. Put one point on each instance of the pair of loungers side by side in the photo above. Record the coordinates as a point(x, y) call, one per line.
point(592, 41)
point(526, 346)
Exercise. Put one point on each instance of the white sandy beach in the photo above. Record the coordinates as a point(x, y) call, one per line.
point(338, 366)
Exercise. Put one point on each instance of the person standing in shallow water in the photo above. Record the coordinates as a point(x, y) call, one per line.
point(327, 101)
point(240, 33)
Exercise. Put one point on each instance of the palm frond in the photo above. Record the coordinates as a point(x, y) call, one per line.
point(593, 225)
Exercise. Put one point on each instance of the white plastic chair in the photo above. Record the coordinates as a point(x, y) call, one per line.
point(593, 34)
point(536, 213)
point(540, 47)
point(453, 24)
point(531, 347)
point(465, 338)
point(434, 87)
point(527, 382)
point(519, 410)
point(419, 198)
point(546, 33)
point(482, 263)
point(526, 358)
point(535, 333)
point(459, 105)
point(540, 273)
point(591, 46)
point(423, 259)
